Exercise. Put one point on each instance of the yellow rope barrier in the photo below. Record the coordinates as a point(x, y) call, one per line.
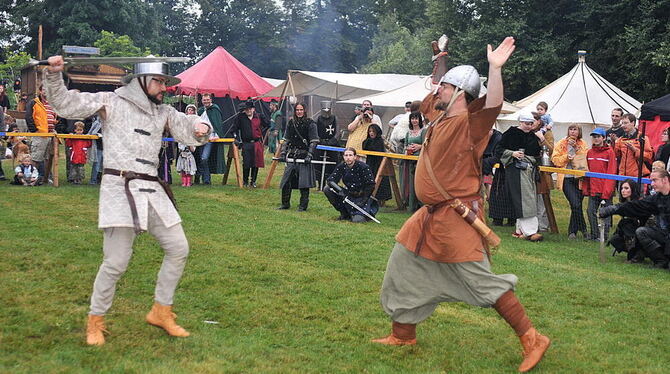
point(76, 136)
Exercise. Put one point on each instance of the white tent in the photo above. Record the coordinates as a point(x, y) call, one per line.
point(273, 82)
point(581, 96)
point(417, 90)
point(339, 86)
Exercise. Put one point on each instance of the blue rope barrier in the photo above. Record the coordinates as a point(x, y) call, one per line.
point(589, 174)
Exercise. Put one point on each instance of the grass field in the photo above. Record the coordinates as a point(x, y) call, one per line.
point(298, 292)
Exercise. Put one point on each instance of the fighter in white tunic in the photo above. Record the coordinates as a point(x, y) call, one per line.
point(132, 199)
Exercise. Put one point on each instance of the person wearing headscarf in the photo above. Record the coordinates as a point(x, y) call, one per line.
point(519, 151)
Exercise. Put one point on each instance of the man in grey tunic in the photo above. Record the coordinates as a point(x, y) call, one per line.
point(132, 199)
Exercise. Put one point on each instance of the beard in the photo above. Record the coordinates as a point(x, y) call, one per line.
point(441, 105)
point(156, 99)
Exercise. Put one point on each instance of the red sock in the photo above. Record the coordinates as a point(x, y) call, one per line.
point(509, 308)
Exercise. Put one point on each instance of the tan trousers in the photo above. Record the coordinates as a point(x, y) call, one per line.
point(118, 248)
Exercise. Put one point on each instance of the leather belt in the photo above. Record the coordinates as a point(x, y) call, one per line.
point(432, 208)
point(128, 175)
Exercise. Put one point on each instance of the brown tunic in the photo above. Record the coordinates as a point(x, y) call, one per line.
point(456, 146)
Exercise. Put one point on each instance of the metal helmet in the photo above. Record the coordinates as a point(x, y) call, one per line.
point(325, 105)
point(464, 77)
point(152, 69)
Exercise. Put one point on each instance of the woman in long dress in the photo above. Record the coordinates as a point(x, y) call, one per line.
point(518, 151)
point(375, 142)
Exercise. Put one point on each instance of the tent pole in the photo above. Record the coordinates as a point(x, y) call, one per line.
point(337, 86)
point(641, 160)
point(281, 96)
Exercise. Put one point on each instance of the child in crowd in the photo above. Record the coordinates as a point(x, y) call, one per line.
point(547, 122)
point(600, 159)
point(26, 173)
point(78, 148)
point(186, 165)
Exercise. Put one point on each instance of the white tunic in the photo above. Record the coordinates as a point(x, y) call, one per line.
point(133, 128)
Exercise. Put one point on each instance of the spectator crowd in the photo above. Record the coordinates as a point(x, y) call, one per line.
point(515, 188)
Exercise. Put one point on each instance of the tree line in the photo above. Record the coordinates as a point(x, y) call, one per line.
point(628, 41)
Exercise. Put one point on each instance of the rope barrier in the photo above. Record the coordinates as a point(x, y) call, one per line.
point(76, 136)
point(548, 169)
point(369, 153)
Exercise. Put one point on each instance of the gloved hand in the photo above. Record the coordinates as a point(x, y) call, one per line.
point(308, 158)
point(343, 192)
point(607, 211)
point(238, 144)
point(282, 157)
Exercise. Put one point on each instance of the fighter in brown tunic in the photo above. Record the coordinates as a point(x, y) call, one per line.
point(440, 256)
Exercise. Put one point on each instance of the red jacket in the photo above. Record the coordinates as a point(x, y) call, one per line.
point(78, 148)
point(600, 160)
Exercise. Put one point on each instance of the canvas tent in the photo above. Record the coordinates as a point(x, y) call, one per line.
point(396, 98)
point(655, 116)
point(338, 86)
point(273, 82)
point(312, 87)
point(221, 74)
point(581, 96)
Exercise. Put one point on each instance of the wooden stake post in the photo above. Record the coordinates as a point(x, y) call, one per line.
point(386, 169)
point(273, 166)
point(233, 155)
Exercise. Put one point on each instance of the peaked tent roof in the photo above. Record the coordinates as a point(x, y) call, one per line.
point(222, 74)
point(397, 97)
point(658, 107)
point(274, 82)
point(339, 86)
point(580, 96)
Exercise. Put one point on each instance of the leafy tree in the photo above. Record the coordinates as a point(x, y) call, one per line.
point(80, 22)
point(396, 50)
point(111, 44)
point(409, 13)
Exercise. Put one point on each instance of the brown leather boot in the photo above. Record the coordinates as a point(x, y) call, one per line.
point(162, 316)
point(534, 345)
point(402, 334)
point(95, 327)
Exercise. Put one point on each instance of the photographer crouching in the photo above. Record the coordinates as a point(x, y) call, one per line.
point(655, 241)
point(359, 184)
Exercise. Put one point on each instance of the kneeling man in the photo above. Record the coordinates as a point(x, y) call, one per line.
point(359, 182)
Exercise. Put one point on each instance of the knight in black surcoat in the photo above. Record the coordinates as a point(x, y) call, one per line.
point(326, 126)
point(297, 150)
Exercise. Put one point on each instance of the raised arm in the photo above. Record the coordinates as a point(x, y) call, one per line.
point(497, 58)
point(70, 104)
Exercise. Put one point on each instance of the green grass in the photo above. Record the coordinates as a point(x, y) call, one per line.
point(299, 292)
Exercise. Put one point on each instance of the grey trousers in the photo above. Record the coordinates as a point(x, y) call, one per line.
point(414, 286)
point(592, 214)
point(118, 248)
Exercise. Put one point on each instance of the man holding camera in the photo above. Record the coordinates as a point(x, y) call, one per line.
point(655, 241)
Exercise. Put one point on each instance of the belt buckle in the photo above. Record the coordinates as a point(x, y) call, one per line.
point(127, 174)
